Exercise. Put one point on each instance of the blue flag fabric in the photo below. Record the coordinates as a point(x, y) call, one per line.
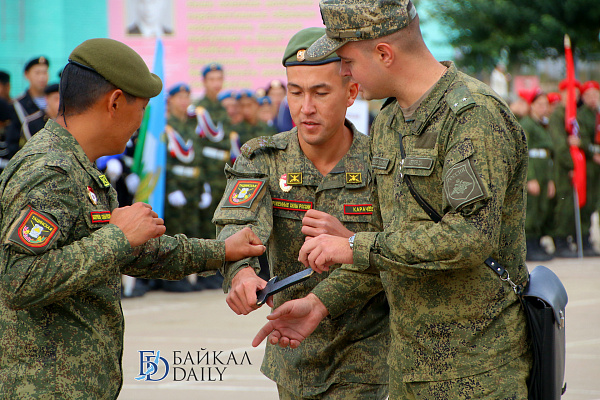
point(153, 160)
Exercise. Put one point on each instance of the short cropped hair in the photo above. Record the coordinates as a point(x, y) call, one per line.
point(80, 88)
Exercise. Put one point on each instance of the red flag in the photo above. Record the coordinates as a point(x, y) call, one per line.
point(572, 127)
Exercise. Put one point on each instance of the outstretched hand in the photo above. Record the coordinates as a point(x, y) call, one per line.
point(292, 322)
point(243, 244)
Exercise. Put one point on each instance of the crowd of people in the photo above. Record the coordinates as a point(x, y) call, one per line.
point(203, 135)
point(552, 220)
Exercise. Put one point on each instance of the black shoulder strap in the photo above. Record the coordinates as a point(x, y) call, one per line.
point(436, 217)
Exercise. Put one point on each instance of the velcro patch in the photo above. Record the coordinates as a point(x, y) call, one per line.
point(358, 209)
point(294, 178)
point(35, 231)
point(353, 177)
point(104, 180)
point(461, 185)
point(292, 205)
point(244, 193)
point(100, 217)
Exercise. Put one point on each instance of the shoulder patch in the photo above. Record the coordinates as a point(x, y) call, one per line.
point(252, 145)
point(244, 193)
point(35, 231)
point(460, 99)
point(462, 185)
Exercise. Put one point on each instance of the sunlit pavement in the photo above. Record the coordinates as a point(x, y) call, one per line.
point(190, 329)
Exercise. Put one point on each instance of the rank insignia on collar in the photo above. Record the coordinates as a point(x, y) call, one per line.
point(353, 177)
point(92, 196)
point(104, 180)
point(294, 178)
point(36, 231)
point(244, 193)
point(283, 183)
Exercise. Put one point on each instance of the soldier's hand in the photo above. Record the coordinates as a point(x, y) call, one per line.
point(138, 222)
point(323, 251)
point(243, 244)
point(292, 322)
point(242, 296)
point(316, 223)
point(551, 189)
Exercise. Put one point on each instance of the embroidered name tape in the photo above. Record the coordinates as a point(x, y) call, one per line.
point(100, 217)
point(292, 205)
point(35, 231)
point(358, 209)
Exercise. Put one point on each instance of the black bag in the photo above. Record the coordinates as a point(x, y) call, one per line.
point(544, 300)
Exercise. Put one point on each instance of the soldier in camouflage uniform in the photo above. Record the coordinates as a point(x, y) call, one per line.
point(276, 185)
point(589, 121)
point(540, 174)
point(564, 214)
point(457, 330)
point(65, 243)
point(212, 78)
point(251, 127)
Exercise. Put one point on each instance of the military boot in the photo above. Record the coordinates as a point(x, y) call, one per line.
point(535, 251)
point(563, 249)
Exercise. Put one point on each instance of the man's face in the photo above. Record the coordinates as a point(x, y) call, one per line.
point(5, 90)
point(318, 99)
point(232, 107)
point(37, 77)
point(591, 98)
point(179, 103)
point(249, 108)
point(358, 64)
point(539, 107)
point(213, 83)
point(128, 121)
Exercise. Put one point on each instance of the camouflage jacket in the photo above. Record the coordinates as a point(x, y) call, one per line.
point(450, 315)
point(286, 184)
point(61, 324)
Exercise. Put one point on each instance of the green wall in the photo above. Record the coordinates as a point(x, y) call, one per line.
point(52, 28)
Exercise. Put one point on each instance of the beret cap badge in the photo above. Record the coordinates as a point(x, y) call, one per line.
point(300, 55)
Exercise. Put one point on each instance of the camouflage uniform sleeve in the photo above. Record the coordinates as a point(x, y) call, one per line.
point(480, 143)
point(230, 219)
point(33, 280)
point(173, 258)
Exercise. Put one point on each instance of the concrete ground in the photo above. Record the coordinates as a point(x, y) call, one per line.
point(201, 322)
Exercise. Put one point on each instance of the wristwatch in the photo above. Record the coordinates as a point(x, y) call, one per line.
point(351, 242)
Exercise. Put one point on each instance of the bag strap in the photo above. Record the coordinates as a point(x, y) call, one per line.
point(436, 217)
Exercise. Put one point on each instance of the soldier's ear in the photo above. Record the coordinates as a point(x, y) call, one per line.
point(352, 93)
point(385, 53)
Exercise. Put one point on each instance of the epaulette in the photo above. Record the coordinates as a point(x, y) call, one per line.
point(388, 101)
point(460, 99)
point(252, 145)
point(58, 164)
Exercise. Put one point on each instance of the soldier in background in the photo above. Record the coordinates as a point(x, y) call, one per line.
point(251, 126)
point(564, 213)
point(52, 101)
point(540, 175)
point(7, 115)
point(589, 121)
point(29, 107)
point(213, 78)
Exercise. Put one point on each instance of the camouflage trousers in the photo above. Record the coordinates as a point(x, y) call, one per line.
point(508, 382)
point(342, 391)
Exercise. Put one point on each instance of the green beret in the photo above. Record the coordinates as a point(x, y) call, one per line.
point(294, 52)
point(119, 64)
